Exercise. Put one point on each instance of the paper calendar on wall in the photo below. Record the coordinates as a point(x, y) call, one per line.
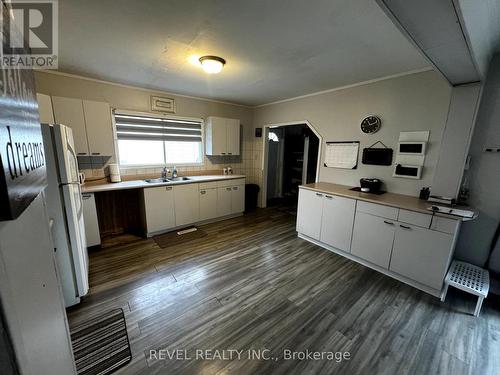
point(341, 155)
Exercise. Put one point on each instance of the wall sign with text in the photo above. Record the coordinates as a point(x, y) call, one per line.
point(22, 158)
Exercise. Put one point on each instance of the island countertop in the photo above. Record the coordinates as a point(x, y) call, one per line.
point(405, 202)
point(103, 185)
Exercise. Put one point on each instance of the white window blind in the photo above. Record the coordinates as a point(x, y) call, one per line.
point(143, 128)
point(149, 140)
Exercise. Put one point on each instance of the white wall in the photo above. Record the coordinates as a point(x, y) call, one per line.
point(484, 174)
point(30, 295)
point(413, 102)
point(456, 140)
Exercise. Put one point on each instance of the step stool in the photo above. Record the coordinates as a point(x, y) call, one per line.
point(470, 279)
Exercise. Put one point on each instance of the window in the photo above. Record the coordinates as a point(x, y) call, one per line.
point(157, 140)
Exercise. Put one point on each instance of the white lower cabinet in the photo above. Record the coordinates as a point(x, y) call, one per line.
point(208, 204)
point(159, 208)
point(187, 204)
point(237, 199)
point(230, 197)
point(309, 212)
point(91, 223)
point(224, 200)
point(372, 238)
point(168, 207)
point(421, 254)
point(337, 221)
point(326, 218)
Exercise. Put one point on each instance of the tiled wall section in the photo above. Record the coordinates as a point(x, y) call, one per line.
point(249, 163)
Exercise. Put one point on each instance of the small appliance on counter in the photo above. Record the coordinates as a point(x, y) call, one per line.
point(370, 185)
point(114, 173)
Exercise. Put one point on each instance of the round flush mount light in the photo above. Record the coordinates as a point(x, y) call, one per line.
point(212, 64)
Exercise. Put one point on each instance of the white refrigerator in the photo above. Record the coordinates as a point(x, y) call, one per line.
point(65, 209)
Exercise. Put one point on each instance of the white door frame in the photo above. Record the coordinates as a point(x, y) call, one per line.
point(265, 148)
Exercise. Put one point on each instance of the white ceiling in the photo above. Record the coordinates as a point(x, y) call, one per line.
point(274, 49)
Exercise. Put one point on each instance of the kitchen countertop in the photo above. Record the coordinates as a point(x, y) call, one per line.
point(99, 186)
point(405, 202)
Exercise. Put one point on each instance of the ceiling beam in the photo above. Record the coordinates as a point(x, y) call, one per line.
point(434, 27)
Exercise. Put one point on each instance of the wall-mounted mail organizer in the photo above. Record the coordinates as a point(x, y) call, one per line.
point(377, 155)
point(342, 155)
point(410, 155)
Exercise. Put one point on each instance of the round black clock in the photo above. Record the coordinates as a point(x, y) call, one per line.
point(370, 124)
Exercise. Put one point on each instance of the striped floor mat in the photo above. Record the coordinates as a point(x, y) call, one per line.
point(101, 345)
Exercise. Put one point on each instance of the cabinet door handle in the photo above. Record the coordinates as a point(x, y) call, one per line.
point(229, 153)
point(203, 192)
point(223, 153)
point(388, 222)
point(96, 153)
point(404, 226)
point(168, 188)
point(319, 194)
point(328, 196)
point(235, 188)
point(229, 189)
point(81, 153)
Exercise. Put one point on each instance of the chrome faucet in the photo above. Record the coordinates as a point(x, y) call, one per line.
point(174, 172)
point(165, 172)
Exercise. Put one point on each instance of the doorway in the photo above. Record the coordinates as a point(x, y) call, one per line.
point(290, 160)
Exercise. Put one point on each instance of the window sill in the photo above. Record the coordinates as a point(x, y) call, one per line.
point(146, 166)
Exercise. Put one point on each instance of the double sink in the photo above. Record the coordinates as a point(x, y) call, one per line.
point(163, 180)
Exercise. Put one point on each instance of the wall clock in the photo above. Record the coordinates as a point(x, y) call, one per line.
point(370, 124)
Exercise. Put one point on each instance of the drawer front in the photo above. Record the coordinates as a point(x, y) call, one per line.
point(440, 224)
point(233, 182)
point(415, 218)
point(377, 210)
point(208, 185)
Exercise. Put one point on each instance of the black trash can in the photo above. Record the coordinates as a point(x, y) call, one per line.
point(251, 195)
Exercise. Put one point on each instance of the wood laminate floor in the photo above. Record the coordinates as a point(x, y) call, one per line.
point(251, 284)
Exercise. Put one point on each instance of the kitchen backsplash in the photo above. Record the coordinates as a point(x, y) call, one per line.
point(92, 162)
point(249, 163)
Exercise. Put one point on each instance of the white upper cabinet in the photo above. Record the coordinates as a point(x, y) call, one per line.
point(222, 136)
point(99, 127)
point(69, 111)
point(45, 109)
point(91, 124)
point(233, 136)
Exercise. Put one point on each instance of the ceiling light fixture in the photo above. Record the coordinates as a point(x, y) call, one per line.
point(212, 64)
